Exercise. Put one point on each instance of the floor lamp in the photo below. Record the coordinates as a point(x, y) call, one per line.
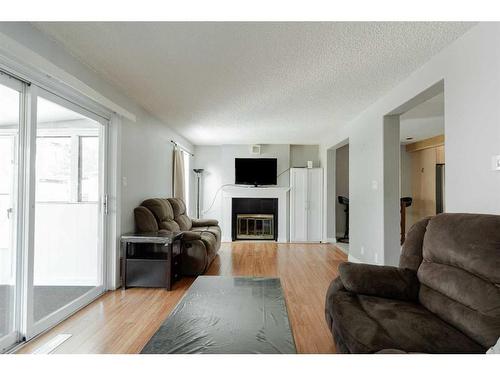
point(198, 173)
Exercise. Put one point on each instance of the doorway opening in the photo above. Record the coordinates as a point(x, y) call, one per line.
point(422, 162)
point(338, 195)
point(413, 162)
point(342, 197)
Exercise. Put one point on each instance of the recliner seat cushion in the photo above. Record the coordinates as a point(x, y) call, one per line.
point(214, 230)
point(368, 324)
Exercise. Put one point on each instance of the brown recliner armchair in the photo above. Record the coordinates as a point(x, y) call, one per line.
point(202, 237)
point(443, 298)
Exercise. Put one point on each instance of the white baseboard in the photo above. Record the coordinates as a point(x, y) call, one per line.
point(353, 259)
point(346, 252)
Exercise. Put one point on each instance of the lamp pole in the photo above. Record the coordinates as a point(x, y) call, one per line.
point(198, 173)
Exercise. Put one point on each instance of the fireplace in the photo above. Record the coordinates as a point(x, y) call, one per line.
point(254, 219)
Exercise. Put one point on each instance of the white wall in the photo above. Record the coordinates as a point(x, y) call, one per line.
point(469, 68)
point(218, 162)
point(301, 154)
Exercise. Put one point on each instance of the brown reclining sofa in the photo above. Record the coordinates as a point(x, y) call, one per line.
point(443, 298)
point(202, 237)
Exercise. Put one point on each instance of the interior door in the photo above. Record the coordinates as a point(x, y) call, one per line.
point(11, 92)
point(314, 204)
point(298, 204)
point(67, 248)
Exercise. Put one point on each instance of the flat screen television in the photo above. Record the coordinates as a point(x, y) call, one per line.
point(255, 171)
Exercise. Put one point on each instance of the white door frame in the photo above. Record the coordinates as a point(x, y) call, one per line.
point(13, 337)
point(32, 328)
point(30, 79)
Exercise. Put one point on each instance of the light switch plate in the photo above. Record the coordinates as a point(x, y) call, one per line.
point(496, 162)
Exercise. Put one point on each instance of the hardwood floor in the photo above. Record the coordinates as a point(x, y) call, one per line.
point(124, 321)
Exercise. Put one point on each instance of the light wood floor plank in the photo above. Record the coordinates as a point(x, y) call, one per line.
point(124, 321)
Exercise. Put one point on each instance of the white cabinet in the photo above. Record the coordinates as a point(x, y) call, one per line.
point(306, 204)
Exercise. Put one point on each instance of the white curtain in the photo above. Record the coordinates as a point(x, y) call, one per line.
point(179, 172)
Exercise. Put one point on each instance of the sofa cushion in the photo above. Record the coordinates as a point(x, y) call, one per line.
point(169, 225)
point(470, 242)
point(368, 324)
point(460, 275)
point(163, 213)
point(179, 209)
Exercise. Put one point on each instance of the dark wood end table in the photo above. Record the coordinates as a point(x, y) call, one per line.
point(151, 259)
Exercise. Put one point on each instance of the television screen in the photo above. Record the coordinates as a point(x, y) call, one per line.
point(256, 171)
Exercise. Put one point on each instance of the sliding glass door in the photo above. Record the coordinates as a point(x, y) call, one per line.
point(52, 209)
point(68, 216)
point(10, 113)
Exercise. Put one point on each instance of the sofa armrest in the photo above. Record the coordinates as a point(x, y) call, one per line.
point(145, 220)
point(380, 281)
point(191, 236)
point(204, 222)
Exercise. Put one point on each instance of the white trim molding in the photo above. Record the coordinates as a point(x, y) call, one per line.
point(353, 259)
point(230, 192)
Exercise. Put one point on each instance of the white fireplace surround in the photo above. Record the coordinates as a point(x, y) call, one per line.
point(230, 192)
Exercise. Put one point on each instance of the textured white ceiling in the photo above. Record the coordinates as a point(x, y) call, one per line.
point(219, 83)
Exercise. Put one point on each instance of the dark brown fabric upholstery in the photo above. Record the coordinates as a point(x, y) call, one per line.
point(145, 220)
point(461, 273)
point(411, 256)
point(180, 216)
point(368, 324)
point(456, 258)
point(204, 222)
point(386, 282)
point(200, 243)
point(162, 211)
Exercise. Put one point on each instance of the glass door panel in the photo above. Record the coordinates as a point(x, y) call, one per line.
point(10, 103)
point(68, 246)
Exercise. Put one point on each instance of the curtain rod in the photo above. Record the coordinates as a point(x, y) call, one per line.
point(182, 148)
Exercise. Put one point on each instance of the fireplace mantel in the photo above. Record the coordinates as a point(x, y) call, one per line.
point(230, 192)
